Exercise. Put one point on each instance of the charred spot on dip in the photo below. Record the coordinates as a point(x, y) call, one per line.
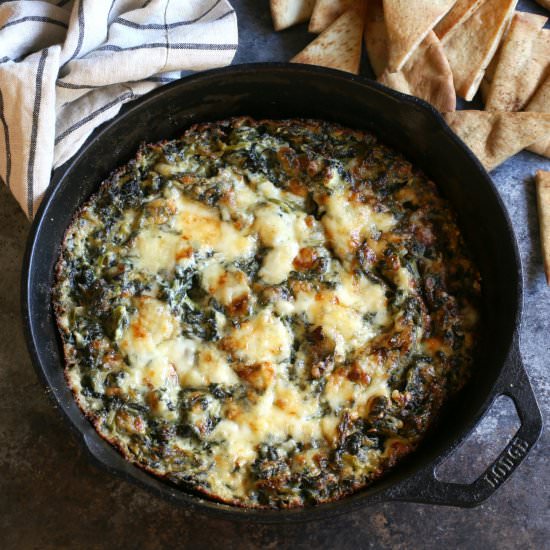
point(269, 312)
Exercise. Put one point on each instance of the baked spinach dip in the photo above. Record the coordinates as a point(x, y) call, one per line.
point(271, 313)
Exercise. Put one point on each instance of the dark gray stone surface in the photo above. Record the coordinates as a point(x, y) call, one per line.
point(51, 497)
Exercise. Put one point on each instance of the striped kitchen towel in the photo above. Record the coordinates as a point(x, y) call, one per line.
point(67, 66)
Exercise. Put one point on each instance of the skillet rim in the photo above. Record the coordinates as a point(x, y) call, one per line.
point(376, 493)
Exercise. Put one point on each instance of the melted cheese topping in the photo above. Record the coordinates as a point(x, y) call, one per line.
point(195, 227)
point(225, 286)
point(262, 339)
point(348, 223)
point(152, 326)
point(284, 233)
point(281, 411)
point(341, 312)
point(201, 227)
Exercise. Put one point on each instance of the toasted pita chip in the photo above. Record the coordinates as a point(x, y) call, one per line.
point(338, 47)
point(408, 22)
point(521, 63)
point(539, 54)
point(286, 13)
point(489, 76)
point(426, 75)
point(376, 36)
point(541, 104)
point(326, 12)
point(472, 46)
point(493, 137)
point(487, 80)
point(544, 3)
point(458, 14)
point(542, 181)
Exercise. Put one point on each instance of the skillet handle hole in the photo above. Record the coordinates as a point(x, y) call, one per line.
point(483, 445)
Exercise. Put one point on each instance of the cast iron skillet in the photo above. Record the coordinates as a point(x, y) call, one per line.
point(409, 125)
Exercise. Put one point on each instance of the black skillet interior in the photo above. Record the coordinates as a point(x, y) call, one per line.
point(281, 91)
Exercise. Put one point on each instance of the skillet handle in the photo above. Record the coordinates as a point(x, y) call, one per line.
point(424, 487)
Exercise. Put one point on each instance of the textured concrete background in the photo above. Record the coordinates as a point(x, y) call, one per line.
point(51, 497)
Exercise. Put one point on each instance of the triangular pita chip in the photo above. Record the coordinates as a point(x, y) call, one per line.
point(493, 137)
point(426, 75)
point(472, 46)
point(327, 11)
point(487, 79)
point(522, 60)
point(542, 181)
point(338, 47)
point(541, 104)
point(408, 22)
point(458, 14)
point(544, 3)
point(376, 36)
point(286, 13)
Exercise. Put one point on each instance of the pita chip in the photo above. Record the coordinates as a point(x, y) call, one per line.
point(327, 11)
point(338, 47)
point(542, 182)
point(286, 13)
point(541, 104)
point(489, 75)
point(522, 62)
point(458, 14)
point(472, 45)
point(376, 36)
point(426, 75)
point(495, 136)
point(408, 22)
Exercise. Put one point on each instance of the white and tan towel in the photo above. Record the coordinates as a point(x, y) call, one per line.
point(68, 66)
